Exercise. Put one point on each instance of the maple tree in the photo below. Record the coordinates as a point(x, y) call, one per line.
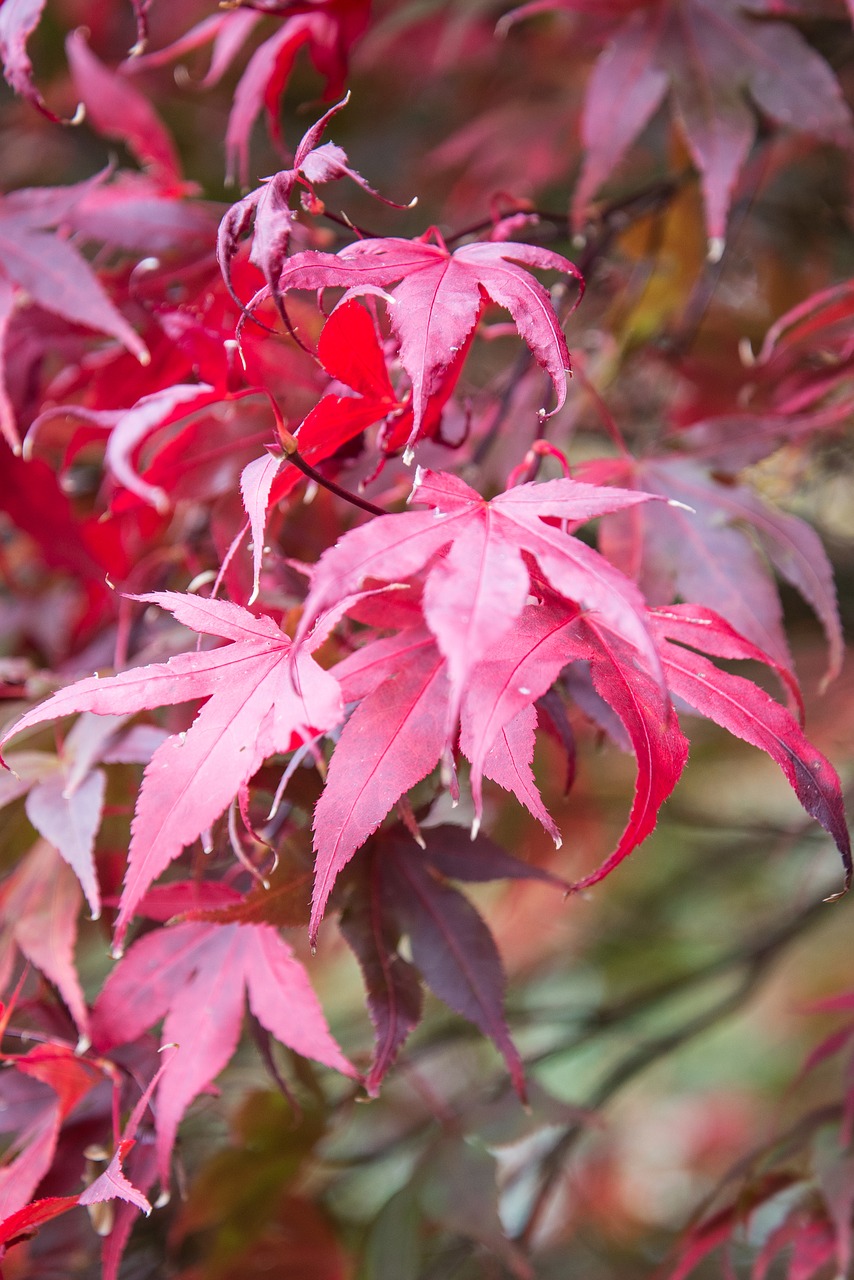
point(355, 522)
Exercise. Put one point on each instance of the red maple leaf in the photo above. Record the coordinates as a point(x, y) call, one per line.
point(181, 432)
point(350, 351)
point(40, 1116)
point(72, 1078)
point(129, 430)
point(253, 710)
point(398, 730)
point(547, 637)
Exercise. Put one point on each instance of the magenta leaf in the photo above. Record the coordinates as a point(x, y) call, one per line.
point(327, 28)
point(508, 762)
point(18, 21)
point(115, 108)
point(705, 53)
point(269, 206)
point(38, 265)
point(700, 628)
point(658, 743)
point(70, 822)
point(43, 925)
point(256, 482)
point(141, 1166)
point(475, 594)
point(544, 641)
point(468, 613)
point(112, 1183)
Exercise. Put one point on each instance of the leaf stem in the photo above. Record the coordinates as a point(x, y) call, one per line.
point(340, 492)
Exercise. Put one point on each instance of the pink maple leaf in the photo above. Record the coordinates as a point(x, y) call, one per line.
point(253, 710)
point(197, 976)
point(65, 792)
point(37, 265)
point(701, 545)
point(546, 639)
point(440, 298)
point(269, 206)
point(751, 714)
point(475, 592)
point(117, 109)
point(18, 21)
point(42, 924)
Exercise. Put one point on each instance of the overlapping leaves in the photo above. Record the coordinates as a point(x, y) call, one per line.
point(440, 297)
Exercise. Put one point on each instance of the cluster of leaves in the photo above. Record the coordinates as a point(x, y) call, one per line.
point(358, 684)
